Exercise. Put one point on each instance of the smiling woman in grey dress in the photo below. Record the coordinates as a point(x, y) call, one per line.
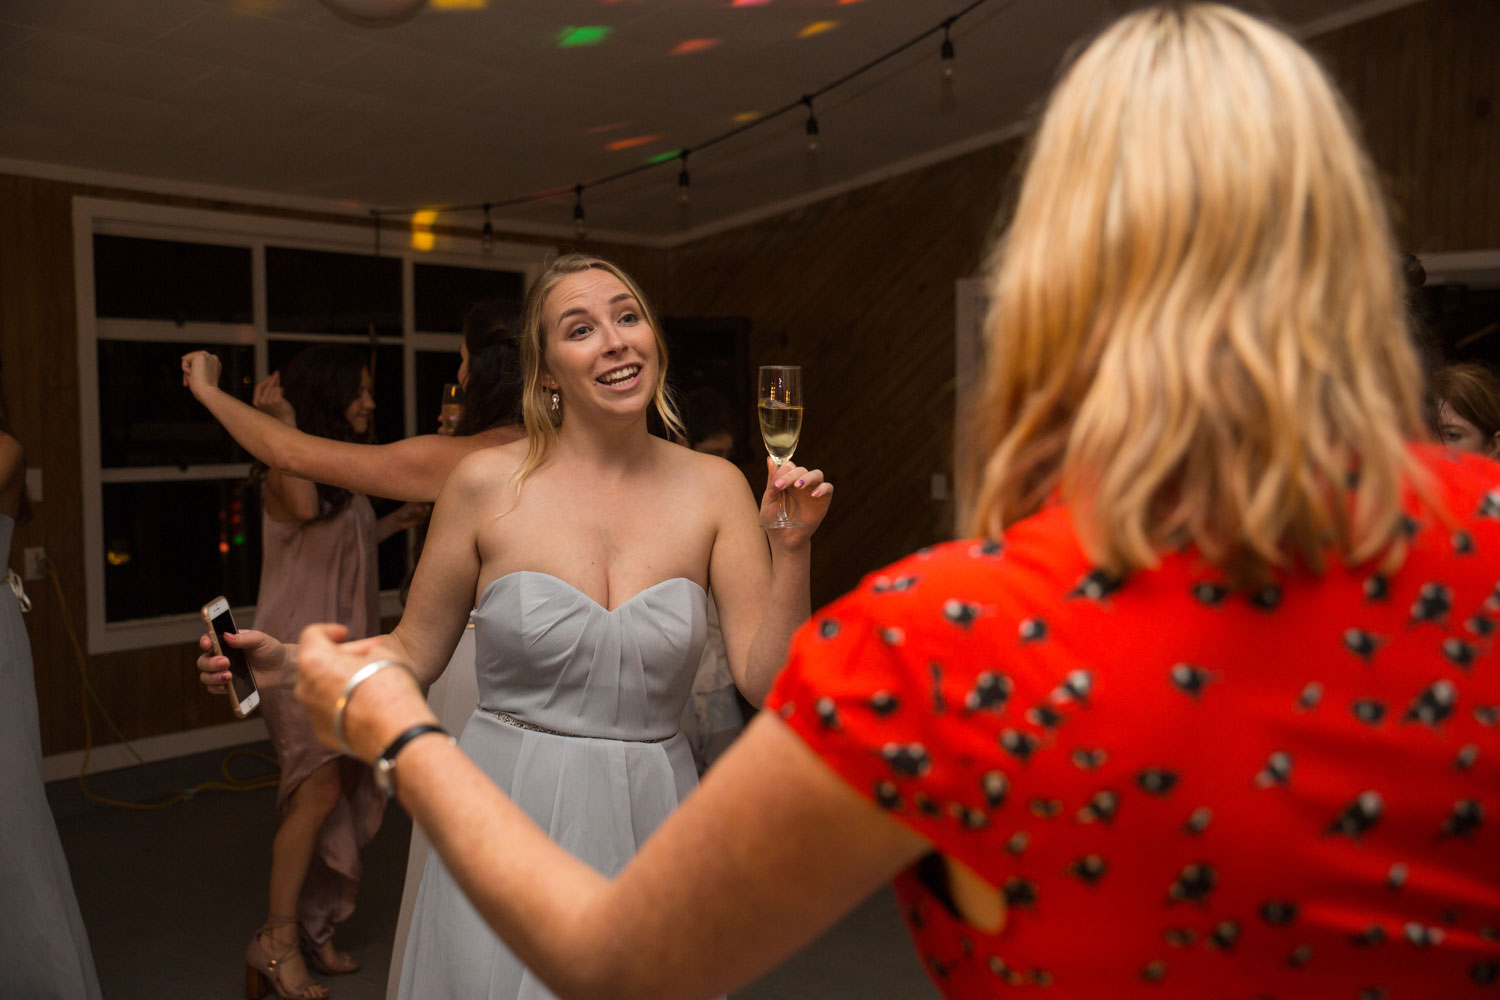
point(587, 551)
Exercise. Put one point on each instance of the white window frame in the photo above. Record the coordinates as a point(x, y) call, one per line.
point(93, 216)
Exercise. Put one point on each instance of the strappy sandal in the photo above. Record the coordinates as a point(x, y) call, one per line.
point(343, 963)
point(263, 969)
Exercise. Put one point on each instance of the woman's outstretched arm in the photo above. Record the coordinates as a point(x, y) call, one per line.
point(411, 469)
point(769, 853)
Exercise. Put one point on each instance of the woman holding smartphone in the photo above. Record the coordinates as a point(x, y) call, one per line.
point(44, 949)
point(318, 561)
point(587, 552)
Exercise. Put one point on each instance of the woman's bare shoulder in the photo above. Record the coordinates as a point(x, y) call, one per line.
point(487, 468)
point(12, 458)
point(707, 472)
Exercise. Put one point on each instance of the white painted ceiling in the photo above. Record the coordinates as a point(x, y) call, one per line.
point(460, 106)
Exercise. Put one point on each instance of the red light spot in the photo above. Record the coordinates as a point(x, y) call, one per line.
point(633, 141)
point(224, 548)
point(691, 45)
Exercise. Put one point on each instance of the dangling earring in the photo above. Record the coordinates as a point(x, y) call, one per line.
point(554, 401)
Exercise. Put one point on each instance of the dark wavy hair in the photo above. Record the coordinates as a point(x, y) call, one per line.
point(320, 383)
point(492, 394)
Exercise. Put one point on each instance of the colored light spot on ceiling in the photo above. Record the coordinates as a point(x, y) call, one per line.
point(817, 28)
point(670, 154)
point(746, 116)
point(577, 36)
point(750, 3)
point(458, 4)
point(845, 3)
point(611, 127)
point(630, 143)
point(691, 45)
point(421, 229)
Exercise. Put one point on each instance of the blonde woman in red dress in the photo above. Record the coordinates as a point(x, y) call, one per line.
point(1207, 706)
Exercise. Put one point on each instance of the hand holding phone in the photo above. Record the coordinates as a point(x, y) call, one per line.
point(243, 694)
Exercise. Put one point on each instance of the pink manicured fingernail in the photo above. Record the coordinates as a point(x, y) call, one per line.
point(800, 482)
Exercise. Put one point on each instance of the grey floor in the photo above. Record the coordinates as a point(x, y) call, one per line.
point(171, 896)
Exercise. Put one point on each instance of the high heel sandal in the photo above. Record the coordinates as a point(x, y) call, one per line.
point(263, 969)
point(315, 958)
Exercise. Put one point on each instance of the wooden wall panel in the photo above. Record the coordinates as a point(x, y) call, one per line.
point(1423, 82)
point(859, 289)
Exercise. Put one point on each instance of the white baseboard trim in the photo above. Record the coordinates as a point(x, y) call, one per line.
point(114, 756)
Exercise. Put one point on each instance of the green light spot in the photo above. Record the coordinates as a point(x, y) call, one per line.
point(576, 36)
point(238, 539)
point(670, 154)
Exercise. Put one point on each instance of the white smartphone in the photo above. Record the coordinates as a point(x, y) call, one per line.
point(243, 694)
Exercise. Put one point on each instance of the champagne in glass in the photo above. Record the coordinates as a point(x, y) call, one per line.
point(779, 405)
point(452, 408)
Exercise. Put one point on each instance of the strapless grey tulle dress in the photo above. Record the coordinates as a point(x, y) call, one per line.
point(602, 767)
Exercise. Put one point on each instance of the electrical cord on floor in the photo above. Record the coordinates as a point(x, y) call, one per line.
point(230, 782)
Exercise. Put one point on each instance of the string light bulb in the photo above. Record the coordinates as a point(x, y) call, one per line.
point(948, 97)
point(812, 125)
point(684, 182)
point(487, 234)
point(580, 227)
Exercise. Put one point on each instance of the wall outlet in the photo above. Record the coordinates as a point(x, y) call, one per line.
point(939, 486)
point(34, 484)
point(34, 561)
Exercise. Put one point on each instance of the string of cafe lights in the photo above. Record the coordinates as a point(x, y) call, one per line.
point(811, 128)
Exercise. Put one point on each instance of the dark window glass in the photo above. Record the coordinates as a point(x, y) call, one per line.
point(146, 417)
point(444, 293)
point(715, 352)
point(170, 548)
point(390, 419)
point(312, 291)
point(434, 369)
point(164, 279)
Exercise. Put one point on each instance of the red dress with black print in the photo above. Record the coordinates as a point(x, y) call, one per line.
point(1182, 790)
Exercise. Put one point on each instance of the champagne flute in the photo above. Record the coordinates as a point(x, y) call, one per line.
point(779, 405)
point(452, 408)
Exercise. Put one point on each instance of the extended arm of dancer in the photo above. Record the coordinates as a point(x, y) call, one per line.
point(410, 469)
point(762, 586)
point(765, 856)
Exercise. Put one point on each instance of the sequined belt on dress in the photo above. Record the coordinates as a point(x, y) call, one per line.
point(511, 720)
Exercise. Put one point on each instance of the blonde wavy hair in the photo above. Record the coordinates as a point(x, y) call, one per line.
point(1195, 332)
point(536, 400)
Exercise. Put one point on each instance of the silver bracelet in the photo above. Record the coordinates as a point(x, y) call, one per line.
point(359, 676)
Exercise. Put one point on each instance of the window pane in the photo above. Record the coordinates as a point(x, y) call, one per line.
point(146, 417)
point(163, 279)
point(172, 547)
point(390, 408)
point(311, 291)
point(434, 369)
point(444, 294)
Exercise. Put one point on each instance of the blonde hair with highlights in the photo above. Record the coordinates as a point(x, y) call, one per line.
point(1196, 333)
point(536, 399)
